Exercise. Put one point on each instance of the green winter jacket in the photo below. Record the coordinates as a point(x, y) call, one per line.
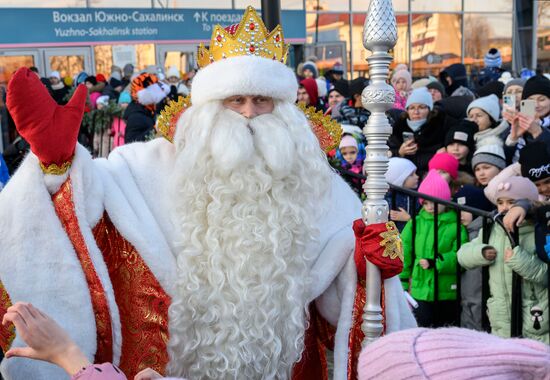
point(526, 263)
point(422, 280)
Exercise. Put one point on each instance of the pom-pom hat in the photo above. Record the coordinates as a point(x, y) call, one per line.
point(446, 162)
point(244, 59)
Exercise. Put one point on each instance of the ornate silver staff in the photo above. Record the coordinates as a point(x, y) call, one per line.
point(379, 36)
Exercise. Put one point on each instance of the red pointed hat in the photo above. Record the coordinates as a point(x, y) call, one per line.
point(50, 129)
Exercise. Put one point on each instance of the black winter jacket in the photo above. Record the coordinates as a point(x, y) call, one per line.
point(140, 122)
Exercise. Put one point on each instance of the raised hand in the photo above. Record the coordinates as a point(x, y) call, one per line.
point(46, 340)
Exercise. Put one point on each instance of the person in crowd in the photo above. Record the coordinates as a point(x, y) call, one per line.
point(140, 113)
point(127, 73)
point(494, 87)
point(419, 132)
point(4, 172)
point(455, 81)
point(59, 90)
point(526, 128)
point(322, 92)
point(453, 353)
point(310, 70)
point(118, 126)
point(335, 74)
point(470, 293)
point(308, 93)
point(503, 259)
point(353, 112)
point(535, 165)
point(446, 165)
point(514, 87)
point(80, 78)
point(437, 90)
point(177, 88)
point(351, 155)
point(95, 89)
point(401, 81)
point(459, 142)
point(337, 95)
point(401, 172)
point(114, 87)
point(418, 270)
point(485, 112)
point(488, 160)
point(492, 70)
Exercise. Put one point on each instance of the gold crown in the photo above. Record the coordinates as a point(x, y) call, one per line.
point(327, 130)
point(250, 38)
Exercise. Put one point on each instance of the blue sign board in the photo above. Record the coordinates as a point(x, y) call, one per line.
point(72, 26)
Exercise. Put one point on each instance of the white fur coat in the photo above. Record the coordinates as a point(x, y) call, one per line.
point(39, 265)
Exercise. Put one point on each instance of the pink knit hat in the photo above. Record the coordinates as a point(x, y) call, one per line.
point(402, 72)
point(453, 353)
point(435, 186)
point(446, 162)
point(515, 188)
point(348, 141)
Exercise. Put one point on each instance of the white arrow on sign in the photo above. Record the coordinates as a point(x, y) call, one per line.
point(197, 16)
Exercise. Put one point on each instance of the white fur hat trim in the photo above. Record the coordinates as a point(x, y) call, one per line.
point(244, 75)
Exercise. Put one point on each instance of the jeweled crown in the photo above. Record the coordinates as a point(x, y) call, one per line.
point(249, 37)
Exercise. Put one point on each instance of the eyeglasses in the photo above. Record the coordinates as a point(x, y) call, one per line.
point(417, 108)
point(514, 92)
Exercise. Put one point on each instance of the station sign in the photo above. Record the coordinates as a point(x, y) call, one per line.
point(76, 26)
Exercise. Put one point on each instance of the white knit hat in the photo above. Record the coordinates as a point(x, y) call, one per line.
point(173, 72)
point(488, 104)
point(55, 74)
point(398, 170)
point(420, 96)
point(490, 151)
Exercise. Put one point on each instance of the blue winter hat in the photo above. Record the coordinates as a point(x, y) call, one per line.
point(124, 97)
point(473, 196)
point(311, 66)
point(421, 96)
point(80, 78)
point(493, 58)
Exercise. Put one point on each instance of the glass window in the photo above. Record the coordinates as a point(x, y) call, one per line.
point(43, 4)
point(543, 36)
point(436, 6)
point(327, 5)
point(488, 5)
point(363, 5)
point(483, 32)
point(145, 56)
point(103, 55)
point(10, 64)
point(209, 4)
point(292, 4)
point(67, 65)
point(120, 3)
point(328, 39)
point(435, 43)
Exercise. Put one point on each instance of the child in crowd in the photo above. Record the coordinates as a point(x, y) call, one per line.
point(119, 125)
point(485, 112)
point(401, 82)
point(470, 294)
point(488, 160)
point(503, 260)
point(351, 156)
point(446, 165)
point(418, 270)
point(401, 172)
point(459, 142)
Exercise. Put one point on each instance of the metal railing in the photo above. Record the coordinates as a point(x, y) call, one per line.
point(490, 220)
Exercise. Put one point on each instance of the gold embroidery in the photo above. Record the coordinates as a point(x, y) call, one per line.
point(53, 169)
point(142, 303)
point(391, 241)
point(7, 333)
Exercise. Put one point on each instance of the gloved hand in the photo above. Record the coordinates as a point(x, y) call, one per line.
point(50, 129)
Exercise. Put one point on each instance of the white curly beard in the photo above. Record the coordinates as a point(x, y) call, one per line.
point(246, 206)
